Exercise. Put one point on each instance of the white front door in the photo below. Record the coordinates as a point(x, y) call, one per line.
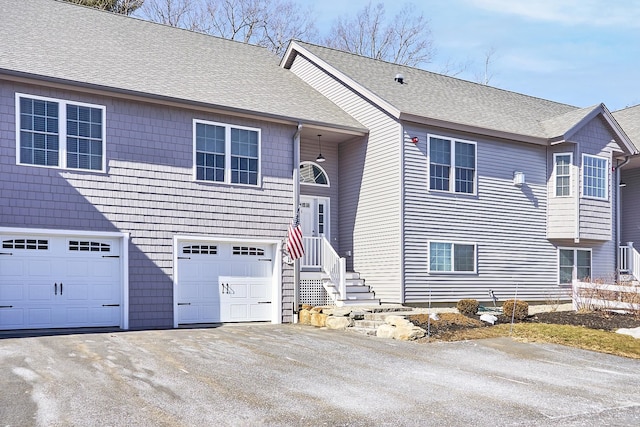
point(224, 282)
point(314, 216)
point(59, 282)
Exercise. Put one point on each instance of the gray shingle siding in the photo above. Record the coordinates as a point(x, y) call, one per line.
point(147, 191)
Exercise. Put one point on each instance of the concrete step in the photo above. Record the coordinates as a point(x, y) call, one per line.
point(355, 302)
point(357, 288)
point(371, 324)
point(363, 331)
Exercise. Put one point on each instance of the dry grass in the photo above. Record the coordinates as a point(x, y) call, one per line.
point(455, 327)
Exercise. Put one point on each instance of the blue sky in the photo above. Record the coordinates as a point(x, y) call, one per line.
point(578, 52)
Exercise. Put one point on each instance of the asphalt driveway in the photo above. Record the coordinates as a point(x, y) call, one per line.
point(297, 375)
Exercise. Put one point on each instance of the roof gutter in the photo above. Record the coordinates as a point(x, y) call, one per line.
point(461, 127)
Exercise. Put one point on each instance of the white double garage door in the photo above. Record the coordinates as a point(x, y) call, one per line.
point(62, 280)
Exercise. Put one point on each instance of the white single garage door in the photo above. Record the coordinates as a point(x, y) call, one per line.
point(59, 282)
point(224, 282)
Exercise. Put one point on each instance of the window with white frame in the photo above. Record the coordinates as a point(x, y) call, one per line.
point(452, 257)
point(311, 173)
point(562, 166)
point(225, 153)
point(574, 263)
point(452, 165)
point(58, 133)
point(595, 177)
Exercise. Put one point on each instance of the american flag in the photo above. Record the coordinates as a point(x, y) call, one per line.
point(294, 239)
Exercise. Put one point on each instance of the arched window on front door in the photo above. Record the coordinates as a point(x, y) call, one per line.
point(312, 173)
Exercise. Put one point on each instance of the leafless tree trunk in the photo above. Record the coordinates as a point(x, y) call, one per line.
point(125, 7)
point(406, 39)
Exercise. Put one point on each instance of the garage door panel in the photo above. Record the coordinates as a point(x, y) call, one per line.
point(12, 318)
point(39, 317)
point(60, 282)
point(38, 292)
point(39, 268)
point(232, 277)
point(12, 267)
point(12, 292)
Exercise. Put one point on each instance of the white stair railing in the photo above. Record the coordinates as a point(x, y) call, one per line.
point(623, 260)
point(312, 257)
point(335, 267)
point(629, 261)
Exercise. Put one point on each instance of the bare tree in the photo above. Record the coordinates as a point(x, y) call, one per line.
point(406, 39)
point(186, 14)
point(125, 7)
point(268, 23)
point(486, 75)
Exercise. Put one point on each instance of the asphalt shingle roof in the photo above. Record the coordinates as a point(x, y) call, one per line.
point(56, 40)
point(629, 119)
point(436, 96)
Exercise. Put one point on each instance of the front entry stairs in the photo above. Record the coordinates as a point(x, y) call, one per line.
point(357, 292)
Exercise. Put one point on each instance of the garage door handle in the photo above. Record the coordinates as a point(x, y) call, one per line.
point(60, 288)
point(55, 288)
point(6, 253)
point(111, 305)
point(184, 303)
point(264, 302)
point(6, 306)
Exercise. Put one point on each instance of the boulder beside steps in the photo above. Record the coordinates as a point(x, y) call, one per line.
point(379, 321)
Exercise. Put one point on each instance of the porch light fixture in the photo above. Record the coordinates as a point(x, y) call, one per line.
point(415, 139)
point(320, 157)
point(518, 178)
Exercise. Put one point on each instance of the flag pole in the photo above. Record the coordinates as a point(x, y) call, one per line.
point(296, 207)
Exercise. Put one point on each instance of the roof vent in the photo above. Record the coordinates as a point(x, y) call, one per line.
point(399, 78)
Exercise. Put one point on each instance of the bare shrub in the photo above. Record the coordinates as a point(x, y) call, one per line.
point(517, 308)
point(468, 307)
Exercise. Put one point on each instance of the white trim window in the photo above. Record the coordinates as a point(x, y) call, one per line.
point(573, 264)
point(595, 177)
point(562, 167)
point(60, 134)
point(226, 153)
point(450, 257)
point(452, 165)
point(313, 174)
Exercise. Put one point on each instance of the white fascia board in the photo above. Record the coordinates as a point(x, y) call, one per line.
point(294, 48)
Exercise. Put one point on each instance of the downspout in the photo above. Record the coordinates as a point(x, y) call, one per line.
point(618, 228)
point(296, 205)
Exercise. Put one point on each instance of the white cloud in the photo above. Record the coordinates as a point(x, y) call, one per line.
point(568, 12)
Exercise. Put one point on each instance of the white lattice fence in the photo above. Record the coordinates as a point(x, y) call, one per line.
point(312, 292)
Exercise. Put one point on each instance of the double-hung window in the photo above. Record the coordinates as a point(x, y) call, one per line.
point(452, 257)
point(562, 166)
point(225, 153)
point(574, 263)
point(452, 165)
point(59, 133)
point(595, 177)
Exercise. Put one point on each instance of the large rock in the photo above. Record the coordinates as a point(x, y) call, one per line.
point(341, 323)
point(399, 328)
point(318, 319)
point(385, 331)
point(337, 311)
point(408, 332)
point(395, 320)
point(304, 317)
